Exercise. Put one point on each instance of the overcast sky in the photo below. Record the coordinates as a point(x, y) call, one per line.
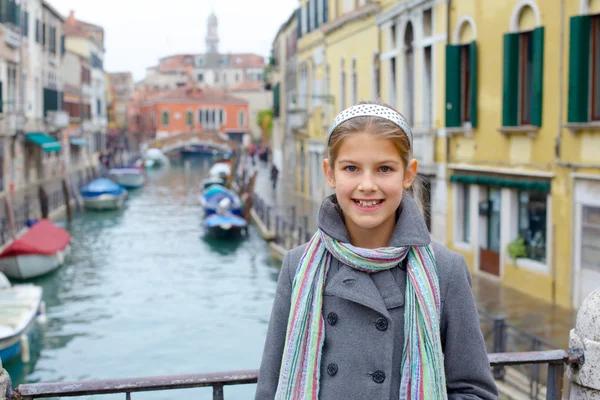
point(139, 32)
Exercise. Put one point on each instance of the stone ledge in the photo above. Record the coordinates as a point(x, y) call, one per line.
point(529, 130)
point(265, 232)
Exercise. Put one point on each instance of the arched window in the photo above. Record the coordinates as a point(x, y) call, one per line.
point(523, 67)
point(342, 85)
point(461, 75)
point(242, 119)
point(165, 118)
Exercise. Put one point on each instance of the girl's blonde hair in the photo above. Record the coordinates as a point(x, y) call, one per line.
point(382, 128)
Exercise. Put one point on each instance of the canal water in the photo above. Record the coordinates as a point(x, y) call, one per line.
point(147, 293)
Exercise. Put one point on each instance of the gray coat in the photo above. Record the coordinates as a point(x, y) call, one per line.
point(364, 321)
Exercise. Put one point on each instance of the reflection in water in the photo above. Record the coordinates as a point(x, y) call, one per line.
point(146, 292)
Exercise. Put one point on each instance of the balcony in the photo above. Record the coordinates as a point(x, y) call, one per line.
point(12, 36)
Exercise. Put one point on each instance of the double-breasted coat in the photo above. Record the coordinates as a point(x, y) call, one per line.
point(364, 321)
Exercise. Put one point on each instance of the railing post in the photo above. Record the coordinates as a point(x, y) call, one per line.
point(584, 350)
point(499, 344)
point(555, 381)
point(218, 392)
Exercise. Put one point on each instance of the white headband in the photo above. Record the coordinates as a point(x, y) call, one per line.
point(372, 110)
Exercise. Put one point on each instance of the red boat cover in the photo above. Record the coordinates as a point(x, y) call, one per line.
point(44, 238)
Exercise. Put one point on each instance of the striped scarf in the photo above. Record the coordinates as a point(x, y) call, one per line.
point(422, 368)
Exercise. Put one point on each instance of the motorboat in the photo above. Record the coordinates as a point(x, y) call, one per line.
point(128, 177)
point(103, 194)
point(38, 251)
point(21, 308)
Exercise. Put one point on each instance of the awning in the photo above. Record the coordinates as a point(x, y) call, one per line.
point(46, 142)
point(78, 142)
point(486, 180)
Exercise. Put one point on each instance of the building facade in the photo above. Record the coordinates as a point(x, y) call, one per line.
point(524, 152)
point(87, 40)
point(156, 115)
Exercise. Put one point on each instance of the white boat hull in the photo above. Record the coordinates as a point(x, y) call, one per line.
point(104, 202)
point(19, 307)
point(32, 265)
point(129, 180)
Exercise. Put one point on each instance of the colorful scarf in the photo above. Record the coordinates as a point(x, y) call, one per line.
point(422, 368)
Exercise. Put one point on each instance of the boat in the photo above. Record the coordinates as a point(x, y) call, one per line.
point(224, 223)
point(208, 182)
point(103, 194)
point(153, 158)
point(21, 307)
point(38, 251)
point(128, 177)
point(220, 169)
point(213, 198)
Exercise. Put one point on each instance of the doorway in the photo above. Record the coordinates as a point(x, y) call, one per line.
point(490, 213)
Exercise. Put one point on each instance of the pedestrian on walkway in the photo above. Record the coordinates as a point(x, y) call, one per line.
point(370, 307)
point(274, 175)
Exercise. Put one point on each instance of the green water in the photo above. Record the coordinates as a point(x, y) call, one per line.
point(146, 293)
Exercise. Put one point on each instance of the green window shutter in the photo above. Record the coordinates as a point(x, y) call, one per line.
point(537, 99)
point(510, 95)
point(316, 12)
point(276, 100)
point(325, 11)
point(299, 22)
point(473, 70)
point(453, 86)
point(579, 69)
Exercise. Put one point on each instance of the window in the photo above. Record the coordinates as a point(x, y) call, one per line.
point(532, 217)
point(52, 46)
point(43, 34)
point(590, 238)
point(200, 77)
point(165, 118)
point(189, 118)
point(25, 23)
point(11, 92)
point(466, 213)
point(523, 78)
point(37, 31)
point(242, 119)
point(99, 106)
point(222, 117)
point(465, 92)
point(409, 74)
point(393, 80)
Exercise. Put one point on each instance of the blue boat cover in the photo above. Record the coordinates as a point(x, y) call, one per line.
point(216, 193)
point(217, 220)
point(101, 186)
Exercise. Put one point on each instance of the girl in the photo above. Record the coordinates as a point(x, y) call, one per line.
point(370, 308)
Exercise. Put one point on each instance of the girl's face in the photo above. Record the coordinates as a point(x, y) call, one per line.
point(369, 177)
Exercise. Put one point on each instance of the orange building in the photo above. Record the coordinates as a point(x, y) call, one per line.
point(159, 114)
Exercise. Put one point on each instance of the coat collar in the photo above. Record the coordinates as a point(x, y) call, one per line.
point(410, 228)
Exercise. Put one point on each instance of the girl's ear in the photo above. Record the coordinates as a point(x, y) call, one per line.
point(410, 173)
point(328, 171)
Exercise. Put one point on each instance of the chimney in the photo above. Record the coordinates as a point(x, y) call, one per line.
point(71, 18)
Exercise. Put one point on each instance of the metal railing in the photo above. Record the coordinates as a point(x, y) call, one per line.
point(555, 359)
point(290, 229)
point(503, 337)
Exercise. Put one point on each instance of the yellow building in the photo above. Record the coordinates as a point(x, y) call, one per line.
point(313, 16)
point(523, 147)
point(412, 38)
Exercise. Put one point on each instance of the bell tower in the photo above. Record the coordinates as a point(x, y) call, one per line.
point(212, 34)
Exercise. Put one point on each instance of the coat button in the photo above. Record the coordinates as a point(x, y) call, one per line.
point(332, 318)
point(332, 369)
point(381, 324)
point(378, 376)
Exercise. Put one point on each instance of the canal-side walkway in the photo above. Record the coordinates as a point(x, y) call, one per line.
point(543, 320)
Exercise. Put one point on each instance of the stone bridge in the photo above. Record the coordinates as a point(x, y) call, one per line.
point(178, 141)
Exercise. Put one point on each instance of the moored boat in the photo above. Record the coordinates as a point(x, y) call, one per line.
point(103, 194)
point(213, 198)
point(128, 177)
point(224, 223)
point(153, 158)
point(38, 251)
point(20, 307)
